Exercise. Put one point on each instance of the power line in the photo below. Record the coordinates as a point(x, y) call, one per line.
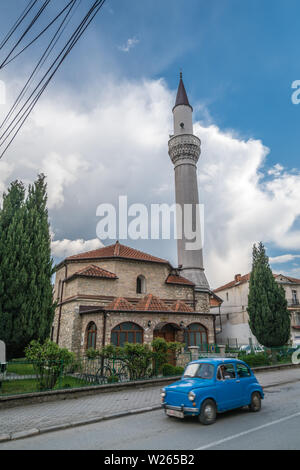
point(36, 94)
point(18, 22)
point(40, 34)
point(36, 17)
point(40, 63)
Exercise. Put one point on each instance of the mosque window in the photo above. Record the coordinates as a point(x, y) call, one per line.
point(126, 333)
point(91, 336)
point(196, 335)
point(141, 285)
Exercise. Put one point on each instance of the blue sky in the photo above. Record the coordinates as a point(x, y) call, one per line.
point(239, 59)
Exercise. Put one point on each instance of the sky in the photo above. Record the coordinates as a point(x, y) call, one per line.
point(102, 127)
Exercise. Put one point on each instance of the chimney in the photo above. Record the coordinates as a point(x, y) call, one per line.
point(237, 277)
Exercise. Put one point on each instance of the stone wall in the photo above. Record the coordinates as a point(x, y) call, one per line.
point(125, 286)
point(100, 292)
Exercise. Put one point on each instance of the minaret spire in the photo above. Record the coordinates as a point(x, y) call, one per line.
point(182, 98)
point(185, 150)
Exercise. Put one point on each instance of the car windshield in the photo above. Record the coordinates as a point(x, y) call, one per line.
point(201, 371)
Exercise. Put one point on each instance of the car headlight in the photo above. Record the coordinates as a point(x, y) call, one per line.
point(191, 396)
point(163, 393)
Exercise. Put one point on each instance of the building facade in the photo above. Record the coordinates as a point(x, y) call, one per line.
point(117, 294)
point(234, 315)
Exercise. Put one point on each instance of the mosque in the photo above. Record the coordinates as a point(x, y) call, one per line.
point(118, 294)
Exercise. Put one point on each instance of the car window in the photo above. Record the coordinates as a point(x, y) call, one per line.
point(201, 371)
point(243, 370)
point(226, 372)
point(191, 370)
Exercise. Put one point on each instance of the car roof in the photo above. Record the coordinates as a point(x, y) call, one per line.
point(216, 360)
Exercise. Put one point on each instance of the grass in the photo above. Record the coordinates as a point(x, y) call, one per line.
point(16, 387)
point(20, 368)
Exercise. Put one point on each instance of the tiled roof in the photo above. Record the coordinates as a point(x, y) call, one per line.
point(95, 271)
point(120, 304)
point(215, 300)
point(181, 306)
point(118, 251)
point(176, 279)
point(150, 302)
point(291, 279)
point(241, 279)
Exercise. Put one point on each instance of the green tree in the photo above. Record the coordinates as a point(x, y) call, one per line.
point(39, 262)
point(49, 362)
point(26, 304)
point(13, 276)
point(269, 318)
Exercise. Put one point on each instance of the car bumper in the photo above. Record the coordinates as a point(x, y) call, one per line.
point(187, 411)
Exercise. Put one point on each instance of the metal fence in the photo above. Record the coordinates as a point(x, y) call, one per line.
point(28, 377)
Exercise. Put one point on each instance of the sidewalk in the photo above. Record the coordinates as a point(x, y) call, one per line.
point(29, 420)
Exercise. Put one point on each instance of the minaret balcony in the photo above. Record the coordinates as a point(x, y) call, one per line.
point(184, 147)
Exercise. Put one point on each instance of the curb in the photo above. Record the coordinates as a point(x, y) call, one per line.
point(60, 427)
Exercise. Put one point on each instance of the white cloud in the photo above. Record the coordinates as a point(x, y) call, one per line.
point(65, 248)
point(240, 207)
point(276, 170)
point(5, 172)
point(61, 172)
point(283, 259)
point(112, 141)
point(131, 42)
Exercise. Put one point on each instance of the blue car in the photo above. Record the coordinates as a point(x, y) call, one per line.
point(212, 386)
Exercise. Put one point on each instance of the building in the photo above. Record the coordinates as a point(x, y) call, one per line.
point(118, 294)
point(234, 316)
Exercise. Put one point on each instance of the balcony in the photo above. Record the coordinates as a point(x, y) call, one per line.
point(293, 302)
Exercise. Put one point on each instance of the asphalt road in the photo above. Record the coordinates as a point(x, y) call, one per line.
point(275, 427)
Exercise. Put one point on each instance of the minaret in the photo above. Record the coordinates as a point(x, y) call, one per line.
point(185, 150)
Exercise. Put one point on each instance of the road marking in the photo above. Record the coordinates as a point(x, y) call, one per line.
point(235, 436)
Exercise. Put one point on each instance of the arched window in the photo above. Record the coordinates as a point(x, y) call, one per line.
point(196, 335)
point(126, 333)
point(91, 336)
point(141, 285)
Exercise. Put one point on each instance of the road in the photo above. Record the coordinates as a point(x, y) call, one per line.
point(276, 426)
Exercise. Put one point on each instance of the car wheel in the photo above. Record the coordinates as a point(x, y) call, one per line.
point(255, 404)
point(208, 413)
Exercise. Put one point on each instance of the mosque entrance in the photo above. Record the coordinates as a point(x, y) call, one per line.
point(167, 331)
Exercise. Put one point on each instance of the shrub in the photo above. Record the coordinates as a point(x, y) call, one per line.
point(112, 379)
point(167, 370)
point(92, 353)
point(178, 370)
point(137, 358)
point(161, 350)
point(49, 361)
point(160, 353)
point(255, 360)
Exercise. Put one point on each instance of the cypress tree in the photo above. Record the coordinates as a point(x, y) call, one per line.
point(40, 263)
point(269, 318)
point(26, 303)
point(13, 276)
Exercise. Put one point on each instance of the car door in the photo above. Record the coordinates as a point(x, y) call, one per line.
point(228, 387)
point(246, 379)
